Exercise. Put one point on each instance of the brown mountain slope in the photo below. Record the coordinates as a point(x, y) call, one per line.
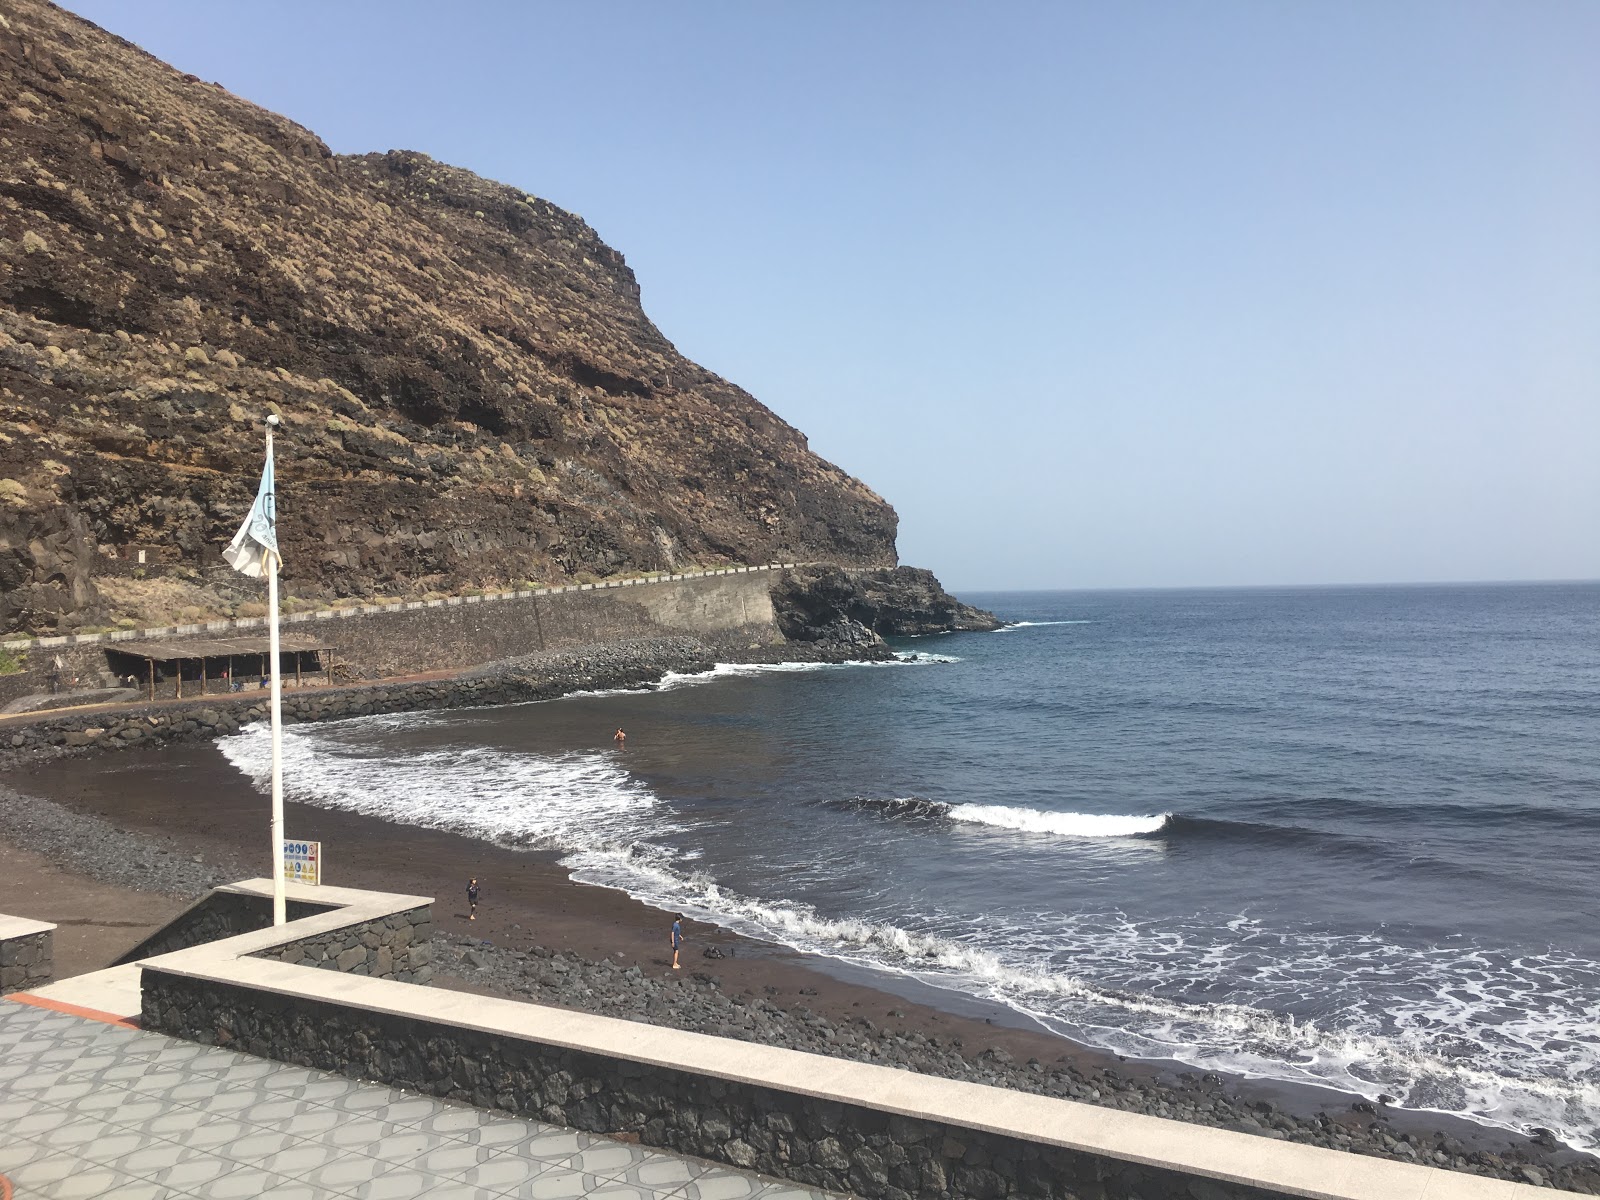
point(472, 393)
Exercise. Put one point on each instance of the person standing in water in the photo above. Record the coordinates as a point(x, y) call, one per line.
point(472, 898)
point(619, 738)
point(677, 940)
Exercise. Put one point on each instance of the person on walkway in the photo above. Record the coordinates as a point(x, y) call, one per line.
point(677, 940)
point(472, 898)
point(619, 738)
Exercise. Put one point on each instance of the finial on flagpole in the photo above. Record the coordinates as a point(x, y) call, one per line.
point(274, 420)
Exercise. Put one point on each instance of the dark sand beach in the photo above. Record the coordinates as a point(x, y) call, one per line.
point(530, 909)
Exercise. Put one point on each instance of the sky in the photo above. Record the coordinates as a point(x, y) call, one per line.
point(1146, 294)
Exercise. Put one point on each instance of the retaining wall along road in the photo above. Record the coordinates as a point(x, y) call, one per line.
point(412, 636)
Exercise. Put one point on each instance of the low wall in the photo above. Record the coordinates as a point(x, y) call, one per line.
point(398, 946)
point(27, 954)
point(881, 1133)
point(411, 636)
point(219, 914)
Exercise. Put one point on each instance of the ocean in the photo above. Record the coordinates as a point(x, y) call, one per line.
point(1340, 836)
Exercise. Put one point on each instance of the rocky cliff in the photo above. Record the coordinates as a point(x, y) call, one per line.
point(853, 611)
point(472, 394)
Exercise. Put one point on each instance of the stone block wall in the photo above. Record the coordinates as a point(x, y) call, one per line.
point(27, 961)
point(221, 914)
point(394, 947)
point(820, 1142)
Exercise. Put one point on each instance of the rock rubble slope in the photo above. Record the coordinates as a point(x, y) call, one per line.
point(471, 390)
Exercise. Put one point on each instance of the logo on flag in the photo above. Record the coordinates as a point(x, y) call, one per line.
point(258, 536)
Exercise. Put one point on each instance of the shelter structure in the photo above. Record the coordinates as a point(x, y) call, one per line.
point(209, 660)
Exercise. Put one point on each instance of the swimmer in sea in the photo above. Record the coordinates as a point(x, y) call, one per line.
point(619, 738)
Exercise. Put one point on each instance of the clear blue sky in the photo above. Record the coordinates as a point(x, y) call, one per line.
point(1096, 294)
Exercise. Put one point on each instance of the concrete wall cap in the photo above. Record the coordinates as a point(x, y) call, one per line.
point(20, 927)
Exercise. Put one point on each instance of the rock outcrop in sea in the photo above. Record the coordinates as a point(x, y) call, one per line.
point(472, 394)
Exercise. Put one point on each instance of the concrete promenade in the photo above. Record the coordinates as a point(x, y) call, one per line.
point(91, 1107)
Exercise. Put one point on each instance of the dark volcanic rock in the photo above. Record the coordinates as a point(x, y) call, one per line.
point(471, 392)
point(829, 603)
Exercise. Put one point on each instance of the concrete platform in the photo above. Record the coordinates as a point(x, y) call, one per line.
point(113, 991)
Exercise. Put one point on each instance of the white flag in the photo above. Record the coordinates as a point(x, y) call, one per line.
point(258, 536)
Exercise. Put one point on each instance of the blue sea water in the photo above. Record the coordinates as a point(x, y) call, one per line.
point(1345, 836)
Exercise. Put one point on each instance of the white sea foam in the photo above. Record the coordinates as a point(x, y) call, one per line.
point(1065, 824)
point(678, 679)
point(561, 801)
point(1010, 625)
point(1460, 1037)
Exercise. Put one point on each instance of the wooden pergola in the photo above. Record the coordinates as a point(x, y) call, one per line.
point(176, 653)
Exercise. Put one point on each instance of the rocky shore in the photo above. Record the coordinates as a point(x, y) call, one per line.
point(627, 664)
point(698, 1000)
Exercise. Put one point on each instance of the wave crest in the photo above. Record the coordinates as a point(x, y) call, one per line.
point(999, 816)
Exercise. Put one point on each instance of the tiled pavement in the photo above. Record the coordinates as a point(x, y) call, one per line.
point(90, 1109)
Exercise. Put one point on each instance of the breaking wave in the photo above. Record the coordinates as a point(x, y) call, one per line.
point(1024, 820)
point(1010, 625)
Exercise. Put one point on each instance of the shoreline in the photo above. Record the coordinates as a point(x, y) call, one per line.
point(613, 951)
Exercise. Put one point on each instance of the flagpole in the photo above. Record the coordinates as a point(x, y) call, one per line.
point(278, 905)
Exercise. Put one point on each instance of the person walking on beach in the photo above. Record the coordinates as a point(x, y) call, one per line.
point(472, 898)
point(677, 940)
point(619, 738)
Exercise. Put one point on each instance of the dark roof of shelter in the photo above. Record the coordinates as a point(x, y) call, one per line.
point(218, 647)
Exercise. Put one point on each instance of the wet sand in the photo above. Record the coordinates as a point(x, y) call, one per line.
point(199, 803)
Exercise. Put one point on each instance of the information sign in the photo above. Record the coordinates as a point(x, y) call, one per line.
point(302, 862)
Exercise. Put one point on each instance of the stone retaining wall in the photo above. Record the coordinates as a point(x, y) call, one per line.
point(824, 1143)
point(220, 914)
point(399, 947)
point(27, 955)
point(411, 636)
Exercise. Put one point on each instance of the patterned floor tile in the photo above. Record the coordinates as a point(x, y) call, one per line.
point(401, 1183)
point(33, 1120)
point(454, 1189)
point(451, 1157)
point(94, 1183)
point(174, 1165)
point(794, 1191)
point(252, 1183)
point(16, 1153)
point(317, 1123)
point(77, 1134)
point(256, 1146)
point(52, 1091)
point(557, 1185)
point(499, 1172)
point(46, 1173)
point(108, 1104)
point(303, 1159)
point(552, 1145)
point(719, 1184)
point(352, 1133)
point(665, 1172)
point(609, 1159)
point(383, 1105)
point(343, 1174)
point(273, 1111)
point(454, 1120)
point(612, 1190)
point(192, 1127)
point(401, 1147)
point(502, 1134)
